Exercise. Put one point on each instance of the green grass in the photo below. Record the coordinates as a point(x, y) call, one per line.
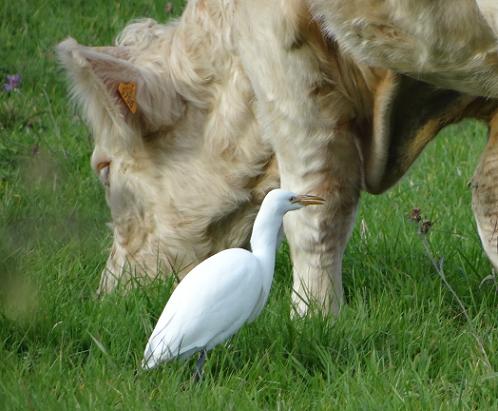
point(402, 342)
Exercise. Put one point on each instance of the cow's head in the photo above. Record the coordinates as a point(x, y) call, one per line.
point(177, 147)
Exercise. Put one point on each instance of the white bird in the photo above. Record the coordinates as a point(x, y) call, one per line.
point(223, 292)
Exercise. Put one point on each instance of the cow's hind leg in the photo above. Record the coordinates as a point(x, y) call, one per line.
point(485, 195)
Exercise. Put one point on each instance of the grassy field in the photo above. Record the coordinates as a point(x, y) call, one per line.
point(404, 341)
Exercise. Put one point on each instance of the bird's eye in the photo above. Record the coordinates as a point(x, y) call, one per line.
point(292, 199)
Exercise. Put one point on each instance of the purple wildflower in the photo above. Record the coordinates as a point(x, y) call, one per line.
point(12, 82)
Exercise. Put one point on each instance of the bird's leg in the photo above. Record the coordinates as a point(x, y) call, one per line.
point(199, 364)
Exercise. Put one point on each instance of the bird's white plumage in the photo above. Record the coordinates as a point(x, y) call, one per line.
point(223, 292)
point(204, 311)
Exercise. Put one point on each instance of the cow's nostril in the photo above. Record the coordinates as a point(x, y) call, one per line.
point(103, 169)
point(103, 164)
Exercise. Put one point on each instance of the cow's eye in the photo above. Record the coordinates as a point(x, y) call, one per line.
point(103, 170)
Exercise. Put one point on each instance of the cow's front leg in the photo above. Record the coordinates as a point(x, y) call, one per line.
point(485, 195)
point(307, 116)
point(317, 236)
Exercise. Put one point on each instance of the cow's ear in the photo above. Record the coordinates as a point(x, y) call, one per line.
point(407, 115)
point(106, 83)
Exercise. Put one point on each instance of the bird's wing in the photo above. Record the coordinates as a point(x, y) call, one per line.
point(209, 305)
point(262, 298)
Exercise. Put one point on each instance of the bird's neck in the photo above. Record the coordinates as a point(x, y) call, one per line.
point(265, 240)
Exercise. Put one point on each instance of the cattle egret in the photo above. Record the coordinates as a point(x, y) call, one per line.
point(225, 291)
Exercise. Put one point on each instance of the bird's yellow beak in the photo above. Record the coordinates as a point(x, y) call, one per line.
point(307, 200)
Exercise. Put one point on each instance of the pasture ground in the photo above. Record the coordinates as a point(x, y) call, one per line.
point(402, 342)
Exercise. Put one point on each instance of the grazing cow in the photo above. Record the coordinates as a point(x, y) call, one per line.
point(194, 121)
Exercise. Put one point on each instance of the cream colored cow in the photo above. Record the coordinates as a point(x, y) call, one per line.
point(194, 121)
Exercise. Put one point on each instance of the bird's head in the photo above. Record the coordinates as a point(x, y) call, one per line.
point(285, 201)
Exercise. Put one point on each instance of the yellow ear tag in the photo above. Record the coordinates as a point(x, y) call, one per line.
point(128, 92)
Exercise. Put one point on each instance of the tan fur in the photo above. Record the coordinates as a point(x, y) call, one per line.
point(407, 114)
point(231, 97)
point(485, 195)
point(450, 43)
